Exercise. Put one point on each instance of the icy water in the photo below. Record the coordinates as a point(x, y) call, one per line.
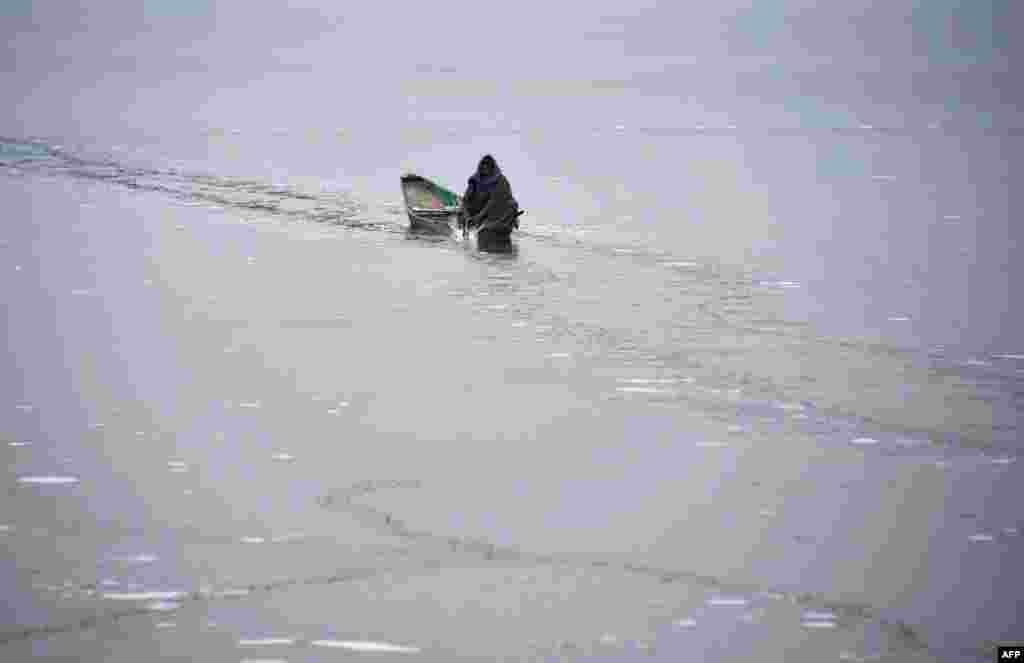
point(747, 385)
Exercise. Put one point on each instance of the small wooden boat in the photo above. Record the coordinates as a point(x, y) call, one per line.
point(431, 207)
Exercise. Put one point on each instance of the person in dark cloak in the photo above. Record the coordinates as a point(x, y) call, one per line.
point(488, 197)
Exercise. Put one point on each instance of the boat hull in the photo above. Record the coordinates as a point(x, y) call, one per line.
point(440, 224)
point(430, 207)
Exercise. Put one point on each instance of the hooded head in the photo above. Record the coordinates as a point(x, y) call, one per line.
point(488, 167)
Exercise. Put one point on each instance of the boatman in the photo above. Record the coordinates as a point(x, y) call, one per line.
point(488, 197)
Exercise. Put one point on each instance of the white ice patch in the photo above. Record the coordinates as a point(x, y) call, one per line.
point(864, 441)
point(143, 558)
point(981, 538)
point(18, 444)
point(559, 355)
point(48, 480)
point(819, 617)
point(266, 642)
point(252, 405)
point(253, 539)
point(163, 606)
point(144, 596)
point(685, 623)
point(898, 318)
point(819, 625)
point(710, 444)
point(282, 457)
point(727, 601)
point(366, 646)
point(643, 390)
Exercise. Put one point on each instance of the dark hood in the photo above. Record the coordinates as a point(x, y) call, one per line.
point(487, 183)
point(487, 159)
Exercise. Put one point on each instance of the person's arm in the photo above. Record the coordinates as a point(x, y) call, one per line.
point(487, 208)
point(464, 204)
point(470, 191)
point(500, 192)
